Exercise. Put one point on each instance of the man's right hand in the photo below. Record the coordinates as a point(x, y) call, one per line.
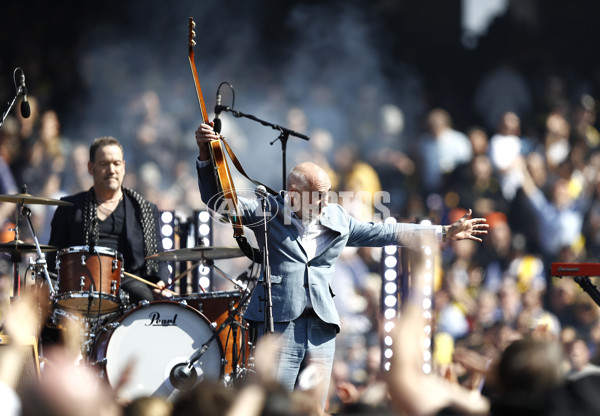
point(204, 135)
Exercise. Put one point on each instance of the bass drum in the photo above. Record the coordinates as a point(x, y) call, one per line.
point(140, 350)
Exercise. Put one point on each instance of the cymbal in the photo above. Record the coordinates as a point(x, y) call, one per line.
point(18, 246)
point(197, 254)
point(25, 198)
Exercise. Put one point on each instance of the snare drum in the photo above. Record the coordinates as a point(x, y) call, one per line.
point(153, 339)
point(89, 279)
point(216, 306)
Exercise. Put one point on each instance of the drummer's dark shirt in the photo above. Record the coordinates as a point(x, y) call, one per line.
point(111, 233)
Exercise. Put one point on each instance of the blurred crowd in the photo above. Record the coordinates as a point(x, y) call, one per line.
point(532, 172)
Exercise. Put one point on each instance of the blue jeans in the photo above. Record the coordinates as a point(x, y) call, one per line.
point(304, 338)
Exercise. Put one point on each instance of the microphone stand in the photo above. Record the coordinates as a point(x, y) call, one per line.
point(269, 325)
point(10, 106)
point(284, 134)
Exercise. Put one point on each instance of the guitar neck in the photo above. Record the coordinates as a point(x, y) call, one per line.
point(226, 187)
point(222, 173)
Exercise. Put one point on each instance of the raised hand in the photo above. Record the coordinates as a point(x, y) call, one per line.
point(468, 228)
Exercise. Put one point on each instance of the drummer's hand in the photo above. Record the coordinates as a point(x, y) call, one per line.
point(161, 290)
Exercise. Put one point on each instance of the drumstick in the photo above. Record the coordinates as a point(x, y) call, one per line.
point(180, 275)
point(148, 282)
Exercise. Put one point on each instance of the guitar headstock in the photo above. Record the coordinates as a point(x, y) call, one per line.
point(191, 33)
point(191, 43)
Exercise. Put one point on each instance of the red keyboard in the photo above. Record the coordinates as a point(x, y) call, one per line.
point(575, 269)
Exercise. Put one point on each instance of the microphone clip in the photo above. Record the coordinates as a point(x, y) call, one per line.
point(220, 108)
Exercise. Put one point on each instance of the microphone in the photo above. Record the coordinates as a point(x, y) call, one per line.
point(184, 377)
point(25, 109)
point(260, 192)
point(218, 109)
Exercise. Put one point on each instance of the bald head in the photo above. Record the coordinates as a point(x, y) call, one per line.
point(308, 176)
point(308, 185)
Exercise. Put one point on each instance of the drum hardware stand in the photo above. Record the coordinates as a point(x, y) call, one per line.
point(16, 257)
point(211, 263)
point(233, 312)
point(237, 369)
point(235, 366)
point(41, 260)
point(182, 229)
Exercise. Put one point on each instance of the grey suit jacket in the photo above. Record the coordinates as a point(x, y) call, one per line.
point(294, 276)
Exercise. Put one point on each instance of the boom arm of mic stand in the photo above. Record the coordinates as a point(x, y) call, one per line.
point(239, 114)
point(283, 136)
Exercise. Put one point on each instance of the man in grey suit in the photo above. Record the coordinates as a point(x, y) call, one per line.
point(306, 236)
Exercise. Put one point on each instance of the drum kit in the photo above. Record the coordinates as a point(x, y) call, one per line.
point(163, 346)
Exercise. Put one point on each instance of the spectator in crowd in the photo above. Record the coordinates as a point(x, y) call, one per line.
point(505, 148)
point(533, 313)
point(440, 151)
point(561, 300)
point(579, 355)
point(527, 374)
point(586, 315)
point(496, 254)
point(556, 141)
point(559, 217)
point(585, 135)
point(510, 305)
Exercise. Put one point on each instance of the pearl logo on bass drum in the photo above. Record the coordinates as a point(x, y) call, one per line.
point(156, 321)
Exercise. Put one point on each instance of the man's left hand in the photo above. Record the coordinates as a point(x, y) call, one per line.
point(468, 228)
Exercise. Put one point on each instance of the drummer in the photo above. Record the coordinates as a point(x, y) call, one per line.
point(110, 215)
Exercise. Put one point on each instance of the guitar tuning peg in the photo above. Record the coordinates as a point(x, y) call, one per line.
point(193, 24)
point(193, 34)
point(193, 42)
